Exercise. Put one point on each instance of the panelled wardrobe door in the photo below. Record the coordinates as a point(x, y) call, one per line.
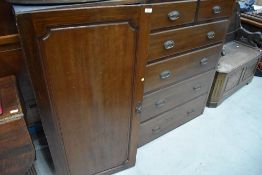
point(86, 66)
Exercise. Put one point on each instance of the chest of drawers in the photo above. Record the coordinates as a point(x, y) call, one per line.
point(109, 76)
point(184, 49)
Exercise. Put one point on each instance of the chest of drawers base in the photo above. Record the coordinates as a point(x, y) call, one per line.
point(173, 106)
point(170, 120)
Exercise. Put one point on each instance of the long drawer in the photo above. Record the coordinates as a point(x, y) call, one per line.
point(171, 42)
point(170, 120)
point(210, 9)
point(181, 67)
point(173, 14)
point(172, 96)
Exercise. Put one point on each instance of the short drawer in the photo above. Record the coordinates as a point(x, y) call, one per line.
point(172, 14)
point(170, 120)
point(171, 42)
point(210, 9)
point(175, 95)
point(181, 67)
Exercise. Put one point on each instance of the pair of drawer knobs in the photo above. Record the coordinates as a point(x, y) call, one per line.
point(161, 103)
point(175, 15)
point(157, 129)
point(167, 73)
point(169, 44)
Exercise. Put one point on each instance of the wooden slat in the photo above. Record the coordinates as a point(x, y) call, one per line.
point(254, 23)
point(254, 17)
point(9, 39)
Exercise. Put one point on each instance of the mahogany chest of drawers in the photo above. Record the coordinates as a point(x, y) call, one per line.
point(111, 76)
point(185, 43)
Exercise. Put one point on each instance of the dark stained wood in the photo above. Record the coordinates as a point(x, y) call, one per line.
point(197, 35)
point(181, 67)
point(86, 67)
point(167, 98)
point(160, 18)
point(206, 12)
point(9, 39)
point(252, 22)
point(30, 108)
point(7, 20)
point(11, 62)
point(234, 24)
point(253, 17)
point(170, 76)
point(16, 151)
point(170, 120)
point(9, 100)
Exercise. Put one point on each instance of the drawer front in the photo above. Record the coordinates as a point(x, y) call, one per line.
point(172, 96)
point(172, 14)
point(171, 42)
point(170, 120)
point(181, 67)
point(210, 9)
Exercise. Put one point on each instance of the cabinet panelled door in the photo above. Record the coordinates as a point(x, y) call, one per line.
point(83, 68)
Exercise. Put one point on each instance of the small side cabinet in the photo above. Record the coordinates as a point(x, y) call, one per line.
point(235, 70)
point(87, 67)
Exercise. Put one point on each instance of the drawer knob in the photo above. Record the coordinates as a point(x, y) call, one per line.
point(223, 53)
point(197, 88)
point(211, 35)
point(165, 74)
point(160, 103)
point(156, 129)
point(217, 9)
point(139, 108)
point(190, 112)
point(169, 44)
point(204, 61)
point(174, 15)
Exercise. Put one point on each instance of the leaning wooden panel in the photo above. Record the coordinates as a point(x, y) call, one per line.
point(86, 65)
point(7, 19)
point(16, 151)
